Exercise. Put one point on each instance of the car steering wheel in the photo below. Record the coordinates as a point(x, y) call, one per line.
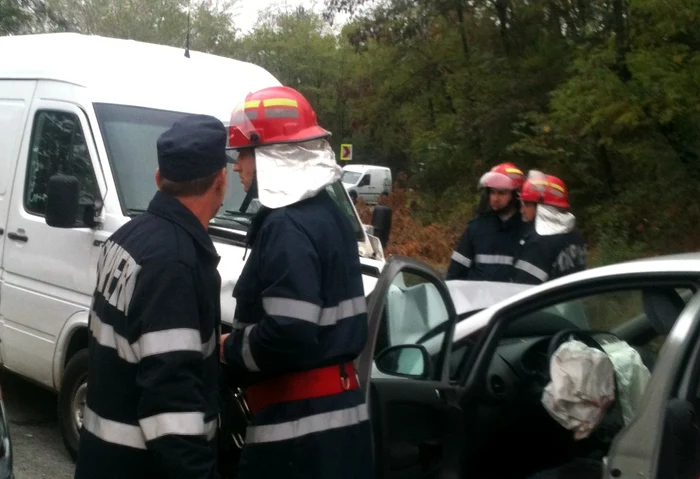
point(586, 337)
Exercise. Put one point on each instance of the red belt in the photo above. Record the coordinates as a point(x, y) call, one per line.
point(309, 384)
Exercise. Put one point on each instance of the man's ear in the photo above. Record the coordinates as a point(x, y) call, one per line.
point(158, 178)
point(221, 179)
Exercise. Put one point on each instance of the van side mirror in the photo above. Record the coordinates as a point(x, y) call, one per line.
point(381, 223)
point(62, 201)
point(63, 204)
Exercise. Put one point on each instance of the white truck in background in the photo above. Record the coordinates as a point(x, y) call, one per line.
point(368, 182)
point(93, 107)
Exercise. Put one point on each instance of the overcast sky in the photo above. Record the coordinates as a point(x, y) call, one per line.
point(246, 11)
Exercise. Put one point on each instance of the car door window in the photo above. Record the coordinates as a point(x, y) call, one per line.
point(58, 146)
point(414, 308)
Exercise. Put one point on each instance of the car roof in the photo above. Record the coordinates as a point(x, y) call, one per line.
point(128, 72)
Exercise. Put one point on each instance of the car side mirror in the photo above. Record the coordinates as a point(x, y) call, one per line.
point(405, 360)
point(381, 223)
point(64, 206)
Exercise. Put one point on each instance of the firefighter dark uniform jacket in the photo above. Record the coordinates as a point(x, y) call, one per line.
point(300, 308)
point(548, 257)
point(152, 398)
point(487, 248)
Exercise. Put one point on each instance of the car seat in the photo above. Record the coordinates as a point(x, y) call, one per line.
point(662, 307)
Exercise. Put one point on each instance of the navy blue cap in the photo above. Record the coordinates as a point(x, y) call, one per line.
point(194, 147)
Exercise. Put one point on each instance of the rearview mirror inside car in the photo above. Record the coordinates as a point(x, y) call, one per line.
point(406, 360)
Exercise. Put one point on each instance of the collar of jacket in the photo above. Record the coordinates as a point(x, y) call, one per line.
point(257, 221)
point(255, 225)
point(511, 222)
point(171, 209)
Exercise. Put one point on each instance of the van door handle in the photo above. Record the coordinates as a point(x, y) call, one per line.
point(1, 231)
point(18, 237)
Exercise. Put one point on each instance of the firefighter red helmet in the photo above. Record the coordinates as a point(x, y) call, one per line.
point(273, 115)
point(505, 176)
point(545, 189)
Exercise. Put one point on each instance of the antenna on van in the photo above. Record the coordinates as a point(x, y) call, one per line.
point(187, 45)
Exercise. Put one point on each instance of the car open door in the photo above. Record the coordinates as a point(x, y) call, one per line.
point(667, 421)
point(410, 396)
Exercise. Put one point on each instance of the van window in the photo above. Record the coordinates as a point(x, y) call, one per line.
point(350, 177)
point(366, 180)
point(58, 146)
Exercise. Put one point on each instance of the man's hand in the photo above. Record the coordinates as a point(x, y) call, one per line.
point(221, 346)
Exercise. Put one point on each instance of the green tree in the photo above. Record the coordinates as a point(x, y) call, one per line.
point(165, 22)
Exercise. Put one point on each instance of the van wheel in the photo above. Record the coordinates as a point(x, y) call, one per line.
point(71, 401)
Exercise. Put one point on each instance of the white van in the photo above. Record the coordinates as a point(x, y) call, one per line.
point(92, 108)
point(368, 182)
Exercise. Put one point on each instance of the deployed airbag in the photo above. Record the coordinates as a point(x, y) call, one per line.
point(581, 389)
point(632, 376)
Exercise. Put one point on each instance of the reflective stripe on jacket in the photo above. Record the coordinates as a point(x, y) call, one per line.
point(487, 248)
point(548, 257)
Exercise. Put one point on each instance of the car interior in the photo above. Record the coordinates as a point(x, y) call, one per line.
point(506, 418)
point(510, 414)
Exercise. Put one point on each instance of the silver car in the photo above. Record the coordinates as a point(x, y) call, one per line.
point(455, 382)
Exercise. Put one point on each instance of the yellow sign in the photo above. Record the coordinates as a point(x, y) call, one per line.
point(346, 152)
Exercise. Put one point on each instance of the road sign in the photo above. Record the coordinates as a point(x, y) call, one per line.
point(346, 152)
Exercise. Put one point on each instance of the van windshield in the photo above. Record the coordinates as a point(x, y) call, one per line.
point(350, 177)
point(130, 134)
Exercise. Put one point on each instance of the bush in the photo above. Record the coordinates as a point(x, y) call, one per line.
point(431, 243)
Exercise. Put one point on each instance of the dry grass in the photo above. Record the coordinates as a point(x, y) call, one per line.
point(431, 244)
